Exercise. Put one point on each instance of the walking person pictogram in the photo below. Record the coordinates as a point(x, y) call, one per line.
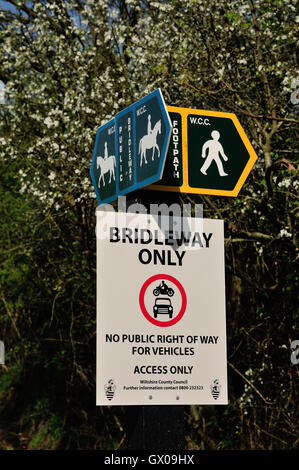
point(215, 150)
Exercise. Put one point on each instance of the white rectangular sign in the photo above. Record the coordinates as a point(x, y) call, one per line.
point(161, 328)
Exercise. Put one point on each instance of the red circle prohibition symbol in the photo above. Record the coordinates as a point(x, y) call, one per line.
point(143, 307)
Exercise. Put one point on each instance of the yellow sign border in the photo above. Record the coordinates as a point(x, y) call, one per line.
point(185, 188)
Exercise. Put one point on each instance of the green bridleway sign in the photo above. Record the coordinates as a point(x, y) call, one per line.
point(130, 150)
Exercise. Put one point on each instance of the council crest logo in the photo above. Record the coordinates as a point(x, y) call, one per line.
point(110, 389)
point(215, 389)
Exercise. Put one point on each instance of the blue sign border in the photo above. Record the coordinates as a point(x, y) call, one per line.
point(136, 185)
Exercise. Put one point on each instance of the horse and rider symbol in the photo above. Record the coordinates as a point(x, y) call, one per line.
point(149, 140)
point(107, 163)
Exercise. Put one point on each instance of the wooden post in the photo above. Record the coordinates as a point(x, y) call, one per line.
point(156, 428)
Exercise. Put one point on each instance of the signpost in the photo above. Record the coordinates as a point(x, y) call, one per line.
point(209, 153)
point(161, 331)
point(130, 150)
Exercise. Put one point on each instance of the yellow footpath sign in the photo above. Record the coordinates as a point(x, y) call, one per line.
point(209, 153)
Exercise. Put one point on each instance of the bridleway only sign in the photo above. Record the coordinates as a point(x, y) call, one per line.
point(161, 328)
point(130, 150)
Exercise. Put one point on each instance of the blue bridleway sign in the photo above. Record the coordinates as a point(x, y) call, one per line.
point(130, 150)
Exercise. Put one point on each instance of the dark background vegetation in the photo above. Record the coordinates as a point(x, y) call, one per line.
point(47, 253)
